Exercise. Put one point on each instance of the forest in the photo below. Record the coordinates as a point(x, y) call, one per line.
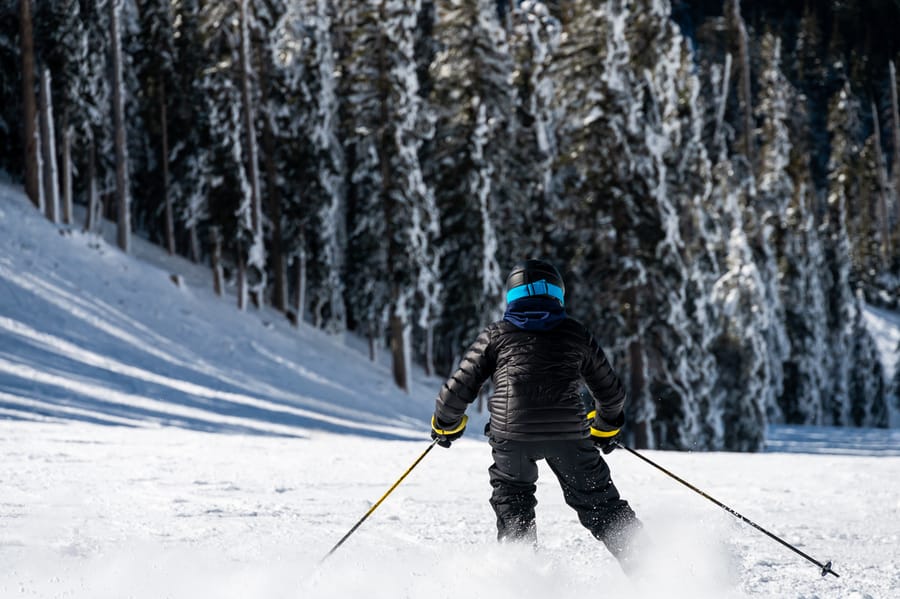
point(717, 181)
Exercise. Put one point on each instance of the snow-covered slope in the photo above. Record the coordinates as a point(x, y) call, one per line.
point(90, 334)
point(156, 442)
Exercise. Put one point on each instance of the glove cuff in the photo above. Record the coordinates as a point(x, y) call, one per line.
point(446, 430)
point(598, 434)
point(608, 429)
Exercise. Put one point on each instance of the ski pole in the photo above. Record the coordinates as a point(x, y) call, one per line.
point(383, 497)
point(826, 568)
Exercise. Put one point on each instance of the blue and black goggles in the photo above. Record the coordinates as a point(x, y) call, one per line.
point(541, 287)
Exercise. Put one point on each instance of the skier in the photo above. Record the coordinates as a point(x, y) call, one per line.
point(538, 358)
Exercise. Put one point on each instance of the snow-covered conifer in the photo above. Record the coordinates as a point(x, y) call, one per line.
point(850, 351)
point(155, 63)
point(395, 221)
point(529, 211)
point(472, 98)
point(766, 212)
point(622, 139)
point(692, 372)
point(63, 49)
point(806, 375)
point(744, 363)
point(303, 113)
point(869, 402)
point(192, 152)
point(331, 165)
point(227, 26)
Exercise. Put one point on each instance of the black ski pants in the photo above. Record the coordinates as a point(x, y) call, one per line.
point(586, 485)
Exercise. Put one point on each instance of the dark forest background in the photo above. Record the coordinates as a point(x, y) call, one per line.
point(717, 180)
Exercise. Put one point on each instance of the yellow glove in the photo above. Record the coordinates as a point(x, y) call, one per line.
point(447, 434)
point(606, 437)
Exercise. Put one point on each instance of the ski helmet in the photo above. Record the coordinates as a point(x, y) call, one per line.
point(534, 278)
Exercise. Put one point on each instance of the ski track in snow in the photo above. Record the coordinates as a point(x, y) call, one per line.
point(156, 442)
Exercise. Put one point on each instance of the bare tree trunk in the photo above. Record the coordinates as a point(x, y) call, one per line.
point(167, 196)
point(67, 171)
point(39, 153)
point(123, 196)
point(252, 150)
point(242, 280)
point(643, 434)
point(280, 292)
point(300, 297)
point(733, 13)
point(195, 243)
point(218, 279)
point(895, 169)
point(373, 351)
point(884, 189)
point(29, 110)
point(399, 347)
point(718, 140)
point(93, 211)
point(429, 350)
point(48, 148)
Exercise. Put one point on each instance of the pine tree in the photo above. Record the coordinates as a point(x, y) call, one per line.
point(863, 218)
point(155, 63)
point(869, 401)
point(11, 146)
point(331, 213)
point(743, 361)
point(850, 401)
point(142, 162)
point(472, 99)
point(596, 108)
point(303, 110)
point(62, 49)
point(192, 145)
point(692, 377)
point(805, 371)
point(117, 84)
point(530, 211)
point(232, 106)
point(98, 126)
point(736, 418)
point(622, 79)
point(813, 80)
point(394, 223)
point(273, 92)
point(766, 227)
point(841, 308)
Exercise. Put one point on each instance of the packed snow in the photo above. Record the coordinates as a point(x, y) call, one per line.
point(156, 442)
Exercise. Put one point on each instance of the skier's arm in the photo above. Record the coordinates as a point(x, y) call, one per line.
point(605, 387)
point(462, 387)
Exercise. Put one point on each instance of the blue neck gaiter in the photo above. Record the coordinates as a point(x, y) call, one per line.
point(535, 313)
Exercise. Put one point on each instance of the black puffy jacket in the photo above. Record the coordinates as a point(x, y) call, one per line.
point(537, 382)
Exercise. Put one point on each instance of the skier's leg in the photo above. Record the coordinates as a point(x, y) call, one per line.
point(513, 475)
point(588, 488)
